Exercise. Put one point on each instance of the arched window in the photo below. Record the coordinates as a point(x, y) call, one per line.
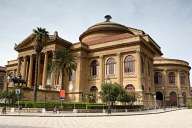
point(129, 64)
point(182, 78)
point(93, 89)
point(93, 95)
point(158, 78)
point(171, 77)
point(94, 66)
point(110, 66)
point(130, 88)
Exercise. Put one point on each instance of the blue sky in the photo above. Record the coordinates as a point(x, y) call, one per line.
point(169, 22)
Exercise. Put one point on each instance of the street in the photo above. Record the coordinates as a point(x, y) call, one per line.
point(174, 119)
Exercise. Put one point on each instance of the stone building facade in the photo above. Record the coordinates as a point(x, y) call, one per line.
point(108, 51)
point(2, 77)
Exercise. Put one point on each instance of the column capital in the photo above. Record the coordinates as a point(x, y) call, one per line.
point(101, 56)
point(24, 58)
point(118, 53)
point(138, 51)
point(54, 54)
point(165, 70)
point(46, 52)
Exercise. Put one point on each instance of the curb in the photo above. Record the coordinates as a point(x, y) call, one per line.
point(105, 115)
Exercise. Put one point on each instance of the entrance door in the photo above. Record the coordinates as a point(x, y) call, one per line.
point(159, 99)
point(173, 99)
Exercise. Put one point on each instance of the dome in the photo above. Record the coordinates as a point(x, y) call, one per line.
point(102, 30)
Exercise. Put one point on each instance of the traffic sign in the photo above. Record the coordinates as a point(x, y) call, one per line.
point(62, 94)
point(17, 91)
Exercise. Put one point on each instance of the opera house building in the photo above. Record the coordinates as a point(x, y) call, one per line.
point(106, 51)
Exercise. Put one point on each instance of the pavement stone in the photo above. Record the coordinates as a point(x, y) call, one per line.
point(71, 114)
point(174, 119)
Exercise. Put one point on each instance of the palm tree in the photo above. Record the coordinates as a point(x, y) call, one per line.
point(41, 36)
point(64, 62)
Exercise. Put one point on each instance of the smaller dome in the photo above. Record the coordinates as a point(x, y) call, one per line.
point(103, 29)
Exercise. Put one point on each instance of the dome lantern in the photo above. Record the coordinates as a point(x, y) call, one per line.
point(108, 18)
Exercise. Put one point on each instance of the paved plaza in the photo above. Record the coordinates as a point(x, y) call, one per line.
point(174, 119)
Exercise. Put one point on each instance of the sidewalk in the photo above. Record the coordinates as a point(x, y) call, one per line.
point(71, 114)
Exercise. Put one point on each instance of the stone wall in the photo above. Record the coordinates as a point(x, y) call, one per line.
point(27, 94)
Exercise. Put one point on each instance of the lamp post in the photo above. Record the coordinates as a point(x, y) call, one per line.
point(163, 88)
point(178, 103)
point(109, 101)
point(154, 96)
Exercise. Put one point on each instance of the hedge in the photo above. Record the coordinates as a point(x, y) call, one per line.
point(70, 105)
point(64, 105)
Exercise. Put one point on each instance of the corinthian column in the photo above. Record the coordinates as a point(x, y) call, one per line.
point(44, 80)
point(19, 66)
point(29, 82)
point(24, 68)
point(53, 73)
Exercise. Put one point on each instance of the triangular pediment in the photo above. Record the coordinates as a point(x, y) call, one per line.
point(26, 43)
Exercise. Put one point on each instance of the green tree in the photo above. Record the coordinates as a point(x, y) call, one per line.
point(41, 36)
point(64, 62)
point(123, 97)
point(109, 92)
point(126, 97)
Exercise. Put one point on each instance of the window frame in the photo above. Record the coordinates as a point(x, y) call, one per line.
point(171, 78)
point(129, 64)
point(110, 66)
point(158, 79)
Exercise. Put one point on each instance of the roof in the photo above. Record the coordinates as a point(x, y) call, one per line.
point(109, 38)
point(104, 29)
point(31, 37)
point(167, 61)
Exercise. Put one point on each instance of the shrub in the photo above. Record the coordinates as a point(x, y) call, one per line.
point(109, 92)
point(51, 105)
point(114, 92)
point(189, 105)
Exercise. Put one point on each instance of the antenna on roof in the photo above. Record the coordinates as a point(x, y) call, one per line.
point(108, 18)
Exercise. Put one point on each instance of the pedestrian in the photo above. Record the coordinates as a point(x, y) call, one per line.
point(4, 110)
point(55, 109)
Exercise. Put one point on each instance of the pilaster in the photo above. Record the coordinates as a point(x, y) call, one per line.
point(139, 83)
point(119, 69)
point(101, 69)
point(44, 79)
